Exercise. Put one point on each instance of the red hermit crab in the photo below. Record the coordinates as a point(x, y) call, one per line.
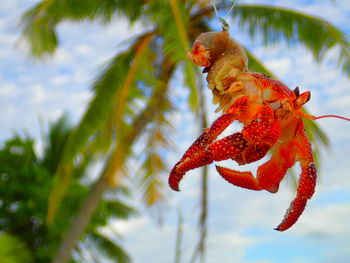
point(272, 118)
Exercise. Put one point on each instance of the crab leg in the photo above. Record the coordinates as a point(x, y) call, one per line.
point(204, 151)
point(207, 137)
point(223, 149)
point(198, 149)
point(269, 175)
point(307, 181)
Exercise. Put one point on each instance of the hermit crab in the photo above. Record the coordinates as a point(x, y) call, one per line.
point(272, 119)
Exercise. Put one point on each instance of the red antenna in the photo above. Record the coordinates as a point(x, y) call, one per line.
point(331, 116)
point(324, 116)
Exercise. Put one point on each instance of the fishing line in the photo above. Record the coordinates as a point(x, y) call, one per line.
point(225, 25)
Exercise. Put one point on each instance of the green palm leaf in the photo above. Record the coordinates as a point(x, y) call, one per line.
point(13, 250)
point(110, 248)
point(39, 23)
point(173, 30)
point(111, 94)
point(275, 24)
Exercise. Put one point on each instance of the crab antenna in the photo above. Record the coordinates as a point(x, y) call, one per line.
point(330, 116)
point(311, 117)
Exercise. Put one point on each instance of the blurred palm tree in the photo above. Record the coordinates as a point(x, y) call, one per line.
point(132, 94)
point(25, 180)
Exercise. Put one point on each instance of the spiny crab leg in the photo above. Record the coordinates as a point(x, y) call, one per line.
point(306, 188)
point(197, 153)
point(307, 181)
point(204, 151)
point(271, 173)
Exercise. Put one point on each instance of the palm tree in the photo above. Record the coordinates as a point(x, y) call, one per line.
point(144, 72)
point(25, 188)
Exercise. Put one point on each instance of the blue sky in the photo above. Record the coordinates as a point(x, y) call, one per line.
point(241, 222)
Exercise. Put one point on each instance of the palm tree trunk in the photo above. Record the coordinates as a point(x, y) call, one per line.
point(200, 248)
point(178, 250)
point(82, 219)
point(89, 206)
point(204, 188)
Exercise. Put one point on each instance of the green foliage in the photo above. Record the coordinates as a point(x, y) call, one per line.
point(106, 88)
point(25, 182)
point(172, 22)
point(114, 90)
point(109, 248)
point(13, 250)
point(39, 23)
point(153, 165)
point(275, 24)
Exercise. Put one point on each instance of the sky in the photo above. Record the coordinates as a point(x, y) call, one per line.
point(240, 221)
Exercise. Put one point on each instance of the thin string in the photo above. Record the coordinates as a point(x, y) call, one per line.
point(230, 10)
point(215, 10)
point(225, 25)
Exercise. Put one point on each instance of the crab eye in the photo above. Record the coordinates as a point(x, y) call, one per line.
point(296, 92)
point(206, 69)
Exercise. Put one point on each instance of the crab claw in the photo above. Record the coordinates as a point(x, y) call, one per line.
point(175, 178)
point(295, 210)
point(198, 154)
point(306, 189)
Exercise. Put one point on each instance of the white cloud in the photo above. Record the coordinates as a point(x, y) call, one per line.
point(230, 244)
point(281, 65)
point(130, 226)
point(326, 221)
point(8, 90)
point(60, 79)
point(84, 50)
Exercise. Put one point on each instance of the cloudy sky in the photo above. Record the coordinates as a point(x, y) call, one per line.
point(241, 222)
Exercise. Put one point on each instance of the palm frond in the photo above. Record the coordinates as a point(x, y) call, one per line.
point(174, 35)
point(150, 182)
point(110, 248)
point(58, 134)
point(317, 137)
point(39, 23)
point(189, 72)
point(138, 123)
point(112, 86)
point(118, 209)
point(123, 93)
point(156, 142)
point(13, 250)
point(275, 24)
